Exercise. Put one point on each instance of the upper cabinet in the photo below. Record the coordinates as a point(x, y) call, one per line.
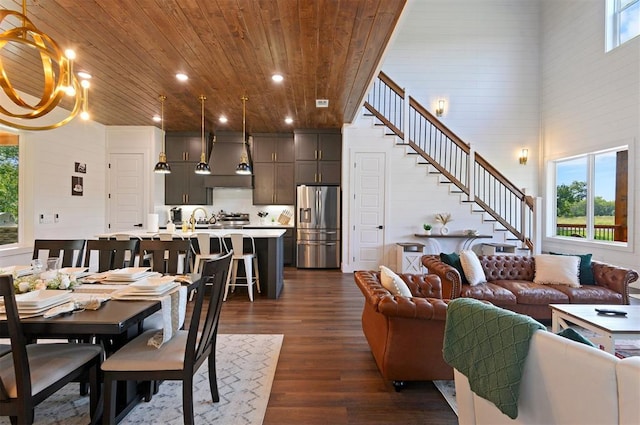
point(273, 170)
point(317, 156)
point(184, 146)
point(183, 186)
point(273, 148)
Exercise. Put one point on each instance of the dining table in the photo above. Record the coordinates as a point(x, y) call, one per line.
point(113, 324)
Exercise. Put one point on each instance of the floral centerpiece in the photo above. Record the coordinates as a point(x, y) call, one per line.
point(51, 279)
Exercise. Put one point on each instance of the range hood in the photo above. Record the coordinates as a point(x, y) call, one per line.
point(224, 158)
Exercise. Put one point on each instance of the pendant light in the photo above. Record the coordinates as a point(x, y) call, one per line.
point(203, 166)
point(243, 167)
point(162, 167)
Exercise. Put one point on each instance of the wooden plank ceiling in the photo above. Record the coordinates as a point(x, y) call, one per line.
point(325, 49)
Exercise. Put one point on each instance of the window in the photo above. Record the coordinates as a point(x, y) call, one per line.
point(591, 196)
point(623, 22)
point(9, 160)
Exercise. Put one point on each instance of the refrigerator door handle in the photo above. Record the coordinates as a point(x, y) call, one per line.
point(318, 207)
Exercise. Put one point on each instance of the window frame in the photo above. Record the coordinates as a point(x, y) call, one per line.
point(612, 24)
point(21, 215)
point(552, 208)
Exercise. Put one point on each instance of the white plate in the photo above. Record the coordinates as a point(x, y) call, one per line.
point(137, 294)
point(128, 274)
point(153, 282)
point(73, 270)
point(41, 298)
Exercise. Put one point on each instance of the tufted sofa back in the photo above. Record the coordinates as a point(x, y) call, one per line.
point(507, 267)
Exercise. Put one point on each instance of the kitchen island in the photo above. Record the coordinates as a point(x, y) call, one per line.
point(269, 248)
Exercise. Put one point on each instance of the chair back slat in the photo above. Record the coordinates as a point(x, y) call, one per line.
point(17, 337)
point(175, 251)
point(112, 254)
point(201, 339)
point(71, 250)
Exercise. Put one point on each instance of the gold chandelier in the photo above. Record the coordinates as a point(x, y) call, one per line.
point(59, 80)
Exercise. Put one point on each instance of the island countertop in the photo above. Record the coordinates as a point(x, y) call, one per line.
point(256, 233)
point(269, 248)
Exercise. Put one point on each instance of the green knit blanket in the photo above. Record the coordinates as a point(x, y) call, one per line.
point(489, 345)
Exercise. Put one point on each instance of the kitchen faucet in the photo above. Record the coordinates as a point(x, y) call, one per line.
point(192, 219)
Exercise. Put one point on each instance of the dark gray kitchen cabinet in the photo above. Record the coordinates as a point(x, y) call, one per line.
point(273, 148)
point(318, 156)
point(273, 170)
point(183, 186)
point(184, 146)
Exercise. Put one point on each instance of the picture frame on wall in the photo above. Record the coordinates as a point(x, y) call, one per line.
point(77, 187)
point(80, 167)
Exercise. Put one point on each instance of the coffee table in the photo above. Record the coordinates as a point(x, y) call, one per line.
point(607, 328)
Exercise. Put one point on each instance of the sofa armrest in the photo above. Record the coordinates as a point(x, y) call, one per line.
point(614, 277)
point(389, 305)
point(450, 278)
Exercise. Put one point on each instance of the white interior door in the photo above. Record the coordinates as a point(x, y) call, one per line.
point(126, 192)
point(369, 201)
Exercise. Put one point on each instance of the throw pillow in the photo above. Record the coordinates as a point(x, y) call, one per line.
point(453, 260)
point(558, 269)
point(571, 334)
point(472, 267)
point(586, 273)
point(393, 283)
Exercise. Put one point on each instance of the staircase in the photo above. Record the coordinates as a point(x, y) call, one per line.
point(470, 174)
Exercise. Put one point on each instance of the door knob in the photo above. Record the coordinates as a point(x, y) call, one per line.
point(380, 227)
point(137, 225)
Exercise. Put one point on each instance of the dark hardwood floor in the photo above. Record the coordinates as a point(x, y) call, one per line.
point(326, 373)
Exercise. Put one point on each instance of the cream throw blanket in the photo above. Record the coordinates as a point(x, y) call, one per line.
point(174, 309)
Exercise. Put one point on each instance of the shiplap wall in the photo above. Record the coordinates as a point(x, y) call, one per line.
point(482, 57)
point(590, 101)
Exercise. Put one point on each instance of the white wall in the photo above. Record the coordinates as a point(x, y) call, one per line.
point(482, 57)
point(590, 101)
point(47, 164)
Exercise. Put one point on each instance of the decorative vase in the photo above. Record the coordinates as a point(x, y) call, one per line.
point(444, 230)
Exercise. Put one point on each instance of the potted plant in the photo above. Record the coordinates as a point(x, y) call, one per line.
point(427, 229)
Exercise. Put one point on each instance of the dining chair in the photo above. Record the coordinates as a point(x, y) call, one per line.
point(133, 260)
point(179, 358)
point(33, 372)
point(71, 250)
point(249, 258)
point(171, 257)
point(111, 254)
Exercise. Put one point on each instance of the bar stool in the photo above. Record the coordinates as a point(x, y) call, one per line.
point(205, 253)
point(250, 260)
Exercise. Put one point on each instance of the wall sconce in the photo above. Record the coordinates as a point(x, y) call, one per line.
point(440, 108)
point(524, 156)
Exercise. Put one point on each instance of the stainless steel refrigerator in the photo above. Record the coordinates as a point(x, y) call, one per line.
point(318, 224)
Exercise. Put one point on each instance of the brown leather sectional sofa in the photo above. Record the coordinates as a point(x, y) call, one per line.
point(510, 285)
point(405, 334)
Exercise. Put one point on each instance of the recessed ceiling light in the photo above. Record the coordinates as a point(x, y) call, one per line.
point(84, 75)
point(288, 120)
point(222, 119)
point(277, 78)
point(157, 118)
point(182, 77)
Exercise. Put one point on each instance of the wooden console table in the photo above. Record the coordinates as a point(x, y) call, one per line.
point(465, 244)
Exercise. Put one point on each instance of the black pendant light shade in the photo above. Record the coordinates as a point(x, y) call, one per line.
point(243, 167)
point(203, 166)
point(162, 167)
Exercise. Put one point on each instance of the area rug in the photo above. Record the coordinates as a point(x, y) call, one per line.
point(246, 365)
point(448, 391)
